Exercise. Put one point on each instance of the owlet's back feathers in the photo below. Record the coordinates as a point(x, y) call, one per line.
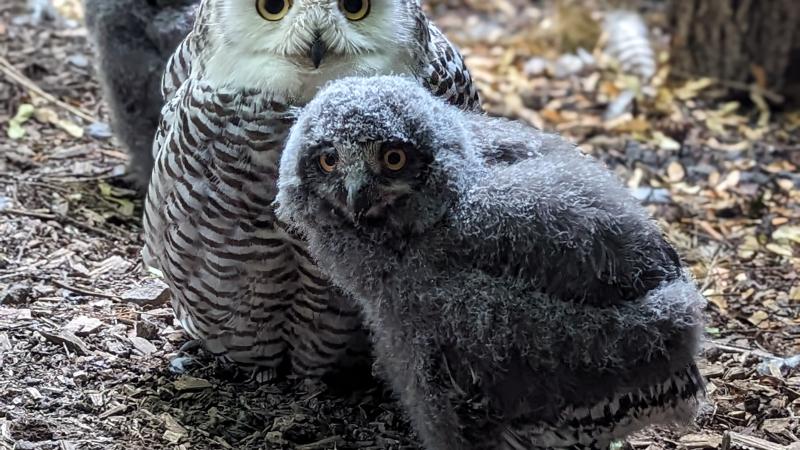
point(519, 297)
point(241, 281)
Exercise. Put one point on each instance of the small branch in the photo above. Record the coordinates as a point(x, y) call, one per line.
point(15, 75)
point(732, 349)
point(90, 228)
point(35, 215)
point(84, 291)
point(56, 217)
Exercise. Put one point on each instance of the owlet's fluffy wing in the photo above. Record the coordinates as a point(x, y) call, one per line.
point(560, 218)
point(617, 321)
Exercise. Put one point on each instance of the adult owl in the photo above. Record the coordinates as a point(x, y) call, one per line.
point(518, 295)
point(240, 281)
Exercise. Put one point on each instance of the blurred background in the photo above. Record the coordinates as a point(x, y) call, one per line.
point(693, 103)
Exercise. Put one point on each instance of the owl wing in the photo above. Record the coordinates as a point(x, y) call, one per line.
point(179, 65)
point(178, 68)
point(443, 70)
point(562, 219)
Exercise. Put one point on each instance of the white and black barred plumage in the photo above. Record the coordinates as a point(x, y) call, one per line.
point(519, 297)
point(240, 281)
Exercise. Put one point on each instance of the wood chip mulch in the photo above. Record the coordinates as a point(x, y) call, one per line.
point(88, 341)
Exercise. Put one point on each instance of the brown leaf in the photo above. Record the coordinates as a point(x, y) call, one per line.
point(758, 317)
point(675, 172)
point(187, 383)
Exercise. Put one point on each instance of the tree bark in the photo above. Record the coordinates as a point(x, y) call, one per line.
point(738, 40)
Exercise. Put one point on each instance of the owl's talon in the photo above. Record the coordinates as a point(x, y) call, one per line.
point(261, 375)
point(190, 346)
point(181, 364)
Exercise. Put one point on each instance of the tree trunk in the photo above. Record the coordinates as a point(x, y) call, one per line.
point(738, 40)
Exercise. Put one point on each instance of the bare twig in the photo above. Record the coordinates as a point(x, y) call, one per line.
point(731, 348)
point(84, 291)
point(15, 75)
point(35, 215)
point(56, 217)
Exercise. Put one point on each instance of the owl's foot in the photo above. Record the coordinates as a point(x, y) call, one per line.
point(179, 365)
point(261, 375)
point(190, 346)
point(182, 362)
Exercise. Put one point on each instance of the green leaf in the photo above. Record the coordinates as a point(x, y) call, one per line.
point(15, 130)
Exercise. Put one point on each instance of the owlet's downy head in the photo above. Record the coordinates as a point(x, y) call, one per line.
point(364, 154)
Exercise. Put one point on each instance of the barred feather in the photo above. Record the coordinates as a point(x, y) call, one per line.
point(629, 44)
point(674, 400)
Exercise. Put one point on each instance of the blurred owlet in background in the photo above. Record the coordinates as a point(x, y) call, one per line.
point(518, 295)
point(240, 281)
point(133, 39)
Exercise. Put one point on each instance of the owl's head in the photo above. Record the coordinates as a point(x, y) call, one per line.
point(295, 46)
point(369, 153)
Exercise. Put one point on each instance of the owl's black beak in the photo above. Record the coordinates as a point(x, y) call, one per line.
point(317, 51)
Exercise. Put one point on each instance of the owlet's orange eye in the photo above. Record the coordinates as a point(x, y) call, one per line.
point(327, 162)
point(394, 159)
point(273, 10)
point(354, 9)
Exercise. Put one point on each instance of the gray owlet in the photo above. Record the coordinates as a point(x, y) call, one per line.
point(240, 281)
point(519, 297)
point(133, 39)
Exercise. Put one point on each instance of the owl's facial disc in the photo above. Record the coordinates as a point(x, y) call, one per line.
point(368, 182)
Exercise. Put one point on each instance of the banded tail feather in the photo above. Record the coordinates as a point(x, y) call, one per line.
point(595, 426)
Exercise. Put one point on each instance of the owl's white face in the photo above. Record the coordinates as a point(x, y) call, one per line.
point(293, 47)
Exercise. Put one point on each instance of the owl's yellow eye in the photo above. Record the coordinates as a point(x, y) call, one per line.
point(327, 162)
point(273, 9)
point(354, 9)
point(394, 159)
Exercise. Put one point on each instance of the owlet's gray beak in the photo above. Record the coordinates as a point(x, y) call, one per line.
point(358, 200)
point(317, 51)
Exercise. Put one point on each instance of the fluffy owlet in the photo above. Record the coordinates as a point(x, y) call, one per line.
point(518, 295)
point(240, 281)
point(133, 39)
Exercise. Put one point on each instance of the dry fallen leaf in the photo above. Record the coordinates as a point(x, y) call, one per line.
point(787, 233)
point(692, 88)
point(71, 128)
point(778, 249)
point(758, 317)
point(675, 172)
point(665, 142)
